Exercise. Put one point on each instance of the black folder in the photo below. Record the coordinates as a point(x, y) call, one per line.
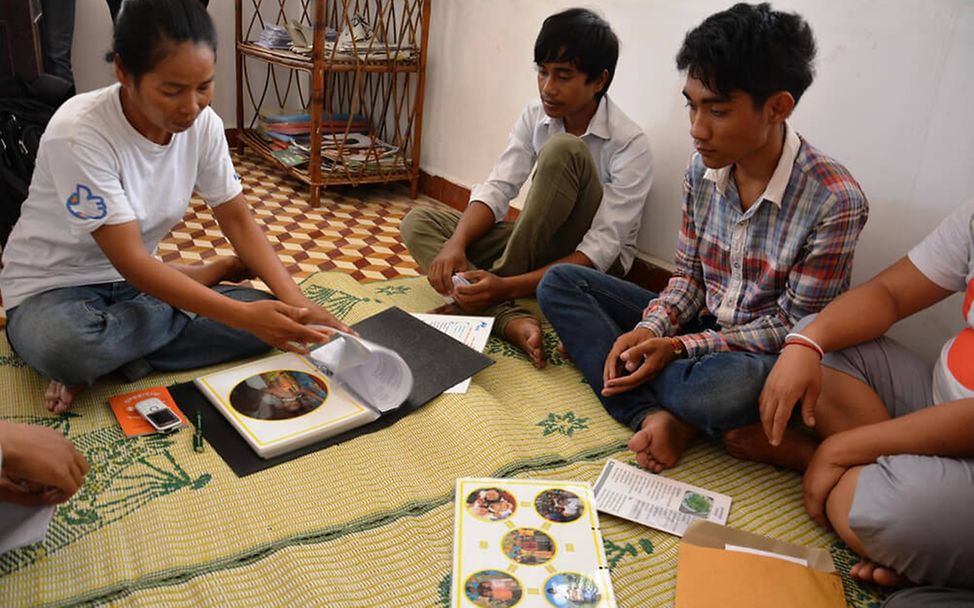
point(436, 360)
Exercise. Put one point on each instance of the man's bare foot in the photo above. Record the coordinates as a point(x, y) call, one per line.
point(59, 397)
point(661, 440)
point(216, 269)
point(563, 351)
point(750, 443)
point(525, 333)
point(870, 572)
point(448, 308)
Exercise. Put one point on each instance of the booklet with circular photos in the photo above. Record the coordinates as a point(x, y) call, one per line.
point(286, 401)
point(527, 542)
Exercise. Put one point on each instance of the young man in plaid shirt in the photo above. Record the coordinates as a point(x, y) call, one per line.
point(769, 228)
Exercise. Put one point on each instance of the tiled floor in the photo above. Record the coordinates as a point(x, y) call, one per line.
point(354, 230)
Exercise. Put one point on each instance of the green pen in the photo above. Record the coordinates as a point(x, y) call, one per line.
point(198, 435)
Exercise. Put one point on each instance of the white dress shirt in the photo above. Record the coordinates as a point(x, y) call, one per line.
point(622, 158)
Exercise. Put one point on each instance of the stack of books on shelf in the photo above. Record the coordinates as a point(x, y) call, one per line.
point(280, 128)
point(274, 37)
point(346, 142)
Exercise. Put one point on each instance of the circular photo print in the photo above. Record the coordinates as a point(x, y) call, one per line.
point(278, 395)
point(491, 504)
point(559, 505)
point(571, 590)
point(493, 589)
point(528, 546)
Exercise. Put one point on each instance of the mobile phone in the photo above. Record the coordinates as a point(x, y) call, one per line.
point(158, 414)
point(458, 280)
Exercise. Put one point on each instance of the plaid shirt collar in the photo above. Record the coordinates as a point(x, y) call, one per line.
point(775, 190)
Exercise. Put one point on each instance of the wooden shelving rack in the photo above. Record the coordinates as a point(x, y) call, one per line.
point(380, 78)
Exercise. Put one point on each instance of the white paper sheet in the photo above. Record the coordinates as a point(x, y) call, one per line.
point(370, 371)
point(753, 551)
point(655, 501)
point(21, 526)
point(472, 331)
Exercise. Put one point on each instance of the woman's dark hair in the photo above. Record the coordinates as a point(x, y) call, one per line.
point(146, 31)
point(579, 37)
point(751, 48)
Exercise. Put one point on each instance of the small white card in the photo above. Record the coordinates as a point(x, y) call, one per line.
point(472, 331)
point(655, 501)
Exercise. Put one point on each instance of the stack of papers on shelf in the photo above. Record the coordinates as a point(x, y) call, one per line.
point(368, 161)
point(274, 37)
point(302, 36)
point(356, 41)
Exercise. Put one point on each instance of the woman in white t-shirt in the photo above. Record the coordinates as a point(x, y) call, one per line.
point(894, 474)
point(115, 171)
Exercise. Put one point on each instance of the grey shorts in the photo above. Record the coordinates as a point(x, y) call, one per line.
point(931, 597)
point(902, 380)
point(911, 513)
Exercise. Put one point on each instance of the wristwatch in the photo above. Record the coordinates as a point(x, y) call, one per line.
point(679, 349)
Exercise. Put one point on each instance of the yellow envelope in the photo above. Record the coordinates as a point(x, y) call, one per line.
point(710, 575)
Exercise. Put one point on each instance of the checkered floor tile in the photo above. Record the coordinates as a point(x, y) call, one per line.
point(354, 230)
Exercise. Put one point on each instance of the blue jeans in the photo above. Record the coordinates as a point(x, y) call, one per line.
point(589, 310)
point(76, 335)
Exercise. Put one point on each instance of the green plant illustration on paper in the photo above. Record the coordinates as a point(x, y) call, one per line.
point(696, 504)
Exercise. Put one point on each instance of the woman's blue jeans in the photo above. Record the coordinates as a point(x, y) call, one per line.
point(75, 335)
point(589, 310)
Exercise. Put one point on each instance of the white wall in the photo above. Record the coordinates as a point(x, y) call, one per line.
point(93, 38)
point(890, 102)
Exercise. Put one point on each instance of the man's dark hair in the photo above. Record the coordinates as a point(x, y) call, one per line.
point(751, 48)
point(579, 37)
point(146, 31)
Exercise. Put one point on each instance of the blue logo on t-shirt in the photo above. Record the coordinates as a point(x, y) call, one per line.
point(84, 205)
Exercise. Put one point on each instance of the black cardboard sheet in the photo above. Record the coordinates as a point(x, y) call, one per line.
point(436, 360)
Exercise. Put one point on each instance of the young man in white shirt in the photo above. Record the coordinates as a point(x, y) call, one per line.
point(592, 174)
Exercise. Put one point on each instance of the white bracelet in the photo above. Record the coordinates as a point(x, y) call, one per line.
point(805, 339)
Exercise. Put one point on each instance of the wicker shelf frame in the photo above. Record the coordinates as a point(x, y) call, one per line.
point(381, 78)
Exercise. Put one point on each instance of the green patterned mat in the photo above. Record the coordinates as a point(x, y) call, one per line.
point(365, 523)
